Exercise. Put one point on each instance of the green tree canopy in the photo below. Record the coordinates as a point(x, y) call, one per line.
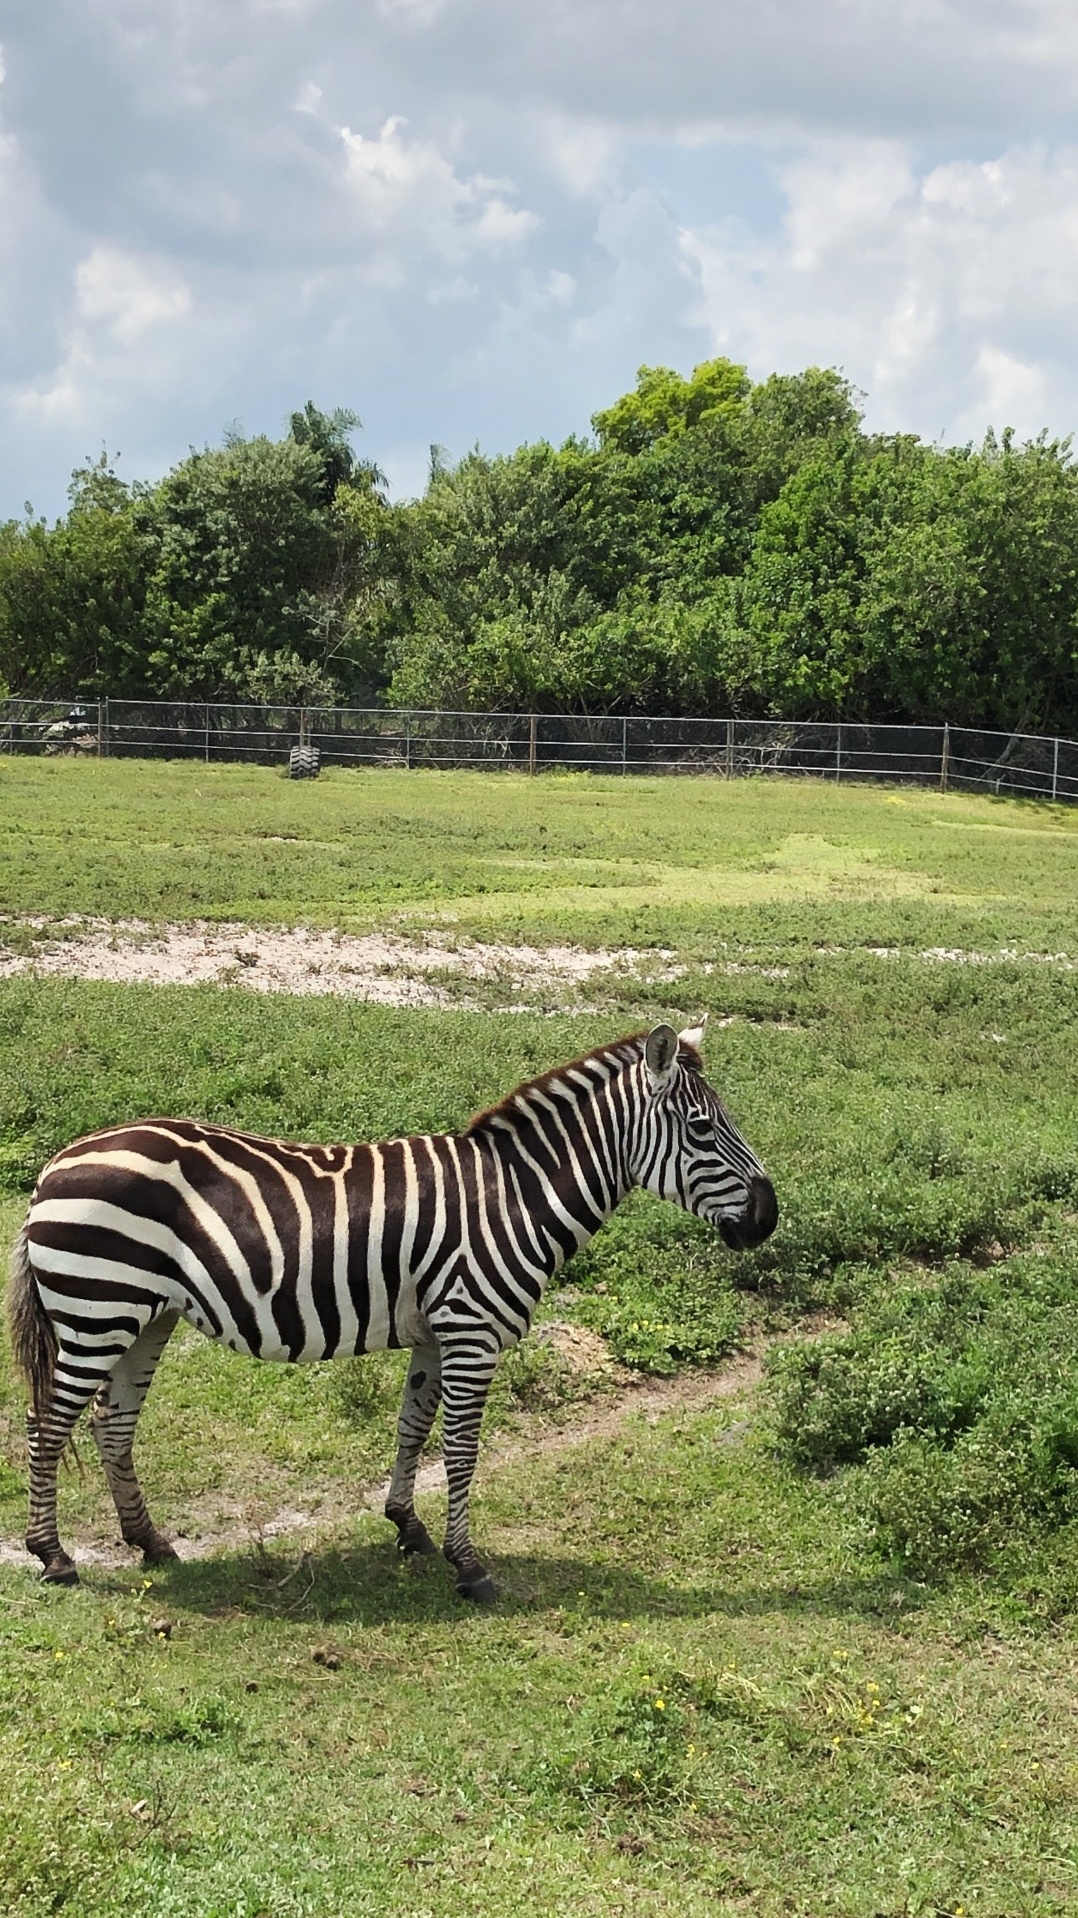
point(664, 404)
point(718, 545)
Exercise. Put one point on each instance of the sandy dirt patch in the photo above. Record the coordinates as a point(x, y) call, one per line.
point(382, 967)
point(428, 968)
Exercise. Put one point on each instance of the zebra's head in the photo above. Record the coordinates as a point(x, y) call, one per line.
point(689, 1149)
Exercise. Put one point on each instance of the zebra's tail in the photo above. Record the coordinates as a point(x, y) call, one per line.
point(33, 1340)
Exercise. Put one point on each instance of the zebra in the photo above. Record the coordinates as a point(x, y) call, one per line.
point(292, 1252)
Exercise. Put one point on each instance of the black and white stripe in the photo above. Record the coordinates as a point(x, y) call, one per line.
point(303, 1252)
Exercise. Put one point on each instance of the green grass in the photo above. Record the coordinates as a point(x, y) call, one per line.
point(854, 1598)
point(828, 1739)
point(643, 861)
point(895, 1132)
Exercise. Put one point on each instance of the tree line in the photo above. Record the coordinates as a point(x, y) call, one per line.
point(714, 546)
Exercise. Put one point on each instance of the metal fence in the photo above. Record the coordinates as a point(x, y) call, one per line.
point(938, 756)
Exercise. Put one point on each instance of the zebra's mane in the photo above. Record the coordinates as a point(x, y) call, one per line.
point(599, 1065)
point(609, 1059)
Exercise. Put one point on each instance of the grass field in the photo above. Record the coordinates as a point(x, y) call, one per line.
point(686, 861)
point(806, 1650)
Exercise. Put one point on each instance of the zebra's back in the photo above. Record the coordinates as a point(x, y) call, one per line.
point(289, 1251)
point(283, 1250)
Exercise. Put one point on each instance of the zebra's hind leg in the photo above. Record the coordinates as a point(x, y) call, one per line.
point(422, 1393)
point(80, 1371)
point(45, 1442)
point(113, 1419)
point(467, 1371)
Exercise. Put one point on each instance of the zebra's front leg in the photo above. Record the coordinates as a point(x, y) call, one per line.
point(467, 1371)
point(422, 1394)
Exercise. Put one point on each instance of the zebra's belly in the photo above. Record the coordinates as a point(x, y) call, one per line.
point(323, 1325)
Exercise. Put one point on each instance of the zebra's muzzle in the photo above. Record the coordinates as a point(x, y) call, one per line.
point(757, 1221)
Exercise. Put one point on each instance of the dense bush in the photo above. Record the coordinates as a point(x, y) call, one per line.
point(657, 1285)
point(248, 572)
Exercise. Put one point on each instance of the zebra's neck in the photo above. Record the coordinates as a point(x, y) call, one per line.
point(571, 1134)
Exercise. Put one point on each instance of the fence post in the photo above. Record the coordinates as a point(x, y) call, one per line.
point(945, 756)
point(407, 742)
point(729, 749)
point(206, 728)
point(532, 741)
point(624, 743)
point(1055, 770)
point(838, 755)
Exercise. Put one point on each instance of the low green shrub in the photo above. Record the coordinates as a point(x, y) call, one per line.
point(915, 1362)
point(971, 1506)
point(199, 1720)
point(535, 1376)
point(957, 1399)
point(649, 1739)
point(367, 1390)
point(836, 1401)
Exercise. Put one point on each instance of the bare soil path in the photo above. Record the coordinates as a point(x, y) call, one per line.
point(424, 967)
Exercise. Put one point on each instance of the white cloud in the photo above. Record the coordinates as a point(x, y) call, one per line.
point(30, 237)
point(475, 218)
point(128, 295)
point(653, 274)
point(9, 182)
point(949, 294)
point(121, 302)
point(415, 13)
point(407, 189)
point(458, 288)
point(560, 288)
point(1009, 388)
point(585, 156)
point(913, 65)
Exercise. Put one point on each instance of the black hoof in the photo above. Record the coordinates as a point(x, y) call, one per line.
point(415, 1541)
point(159, 1553)
point(60, 1574)
point(479, 1591)
point(413, 1538)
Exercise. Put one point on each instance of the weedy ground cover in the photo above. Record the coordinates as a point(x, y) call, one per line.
point(808, 1655)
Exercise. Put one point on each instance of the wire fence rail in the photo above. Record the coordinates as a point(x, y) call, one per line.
point(1019, 764)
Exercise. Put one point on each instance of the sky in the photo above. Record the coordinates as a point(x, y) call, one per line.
point(471, 221)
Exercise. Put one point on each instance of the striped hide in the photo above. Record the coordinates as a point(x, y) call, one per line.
point(303, 1252)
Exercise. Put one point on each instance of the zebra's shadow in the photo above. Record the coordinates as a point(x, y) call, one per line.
point(366, 1583)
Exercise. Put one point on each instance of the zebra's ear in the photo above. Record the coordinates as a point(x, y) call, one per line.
point(660, 1054)
point(694, 1035)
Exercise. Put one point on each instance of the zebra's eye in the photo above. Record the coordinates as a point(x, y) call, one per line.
point(701, 1131)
